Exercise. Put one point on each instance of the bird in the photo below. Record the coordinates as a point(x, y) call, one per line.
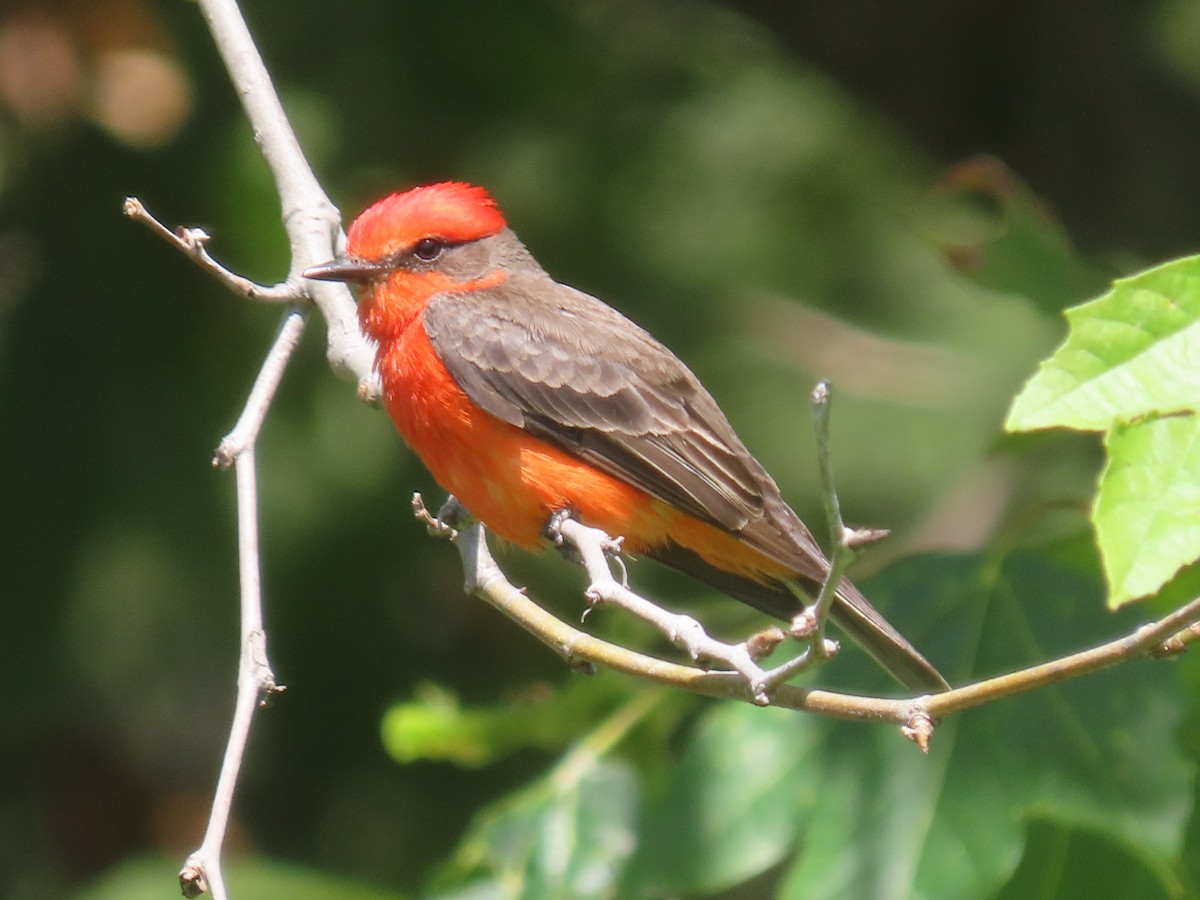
point(526, 399)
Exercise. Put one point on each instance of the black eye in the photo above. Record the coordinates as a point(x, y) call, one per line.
point(428, 249)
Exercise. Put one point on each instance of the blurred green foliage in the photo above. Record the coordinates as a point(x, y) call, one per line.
point(779, 192)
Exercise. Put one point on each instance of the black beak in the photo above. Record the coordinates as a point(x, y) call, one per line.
point(346, 268)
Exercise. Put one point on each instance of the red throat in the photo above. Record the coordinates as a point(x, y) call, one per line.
point(390, 307)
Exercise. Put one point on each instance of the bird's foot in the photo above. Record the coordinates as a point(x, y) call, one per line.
point(452, 517)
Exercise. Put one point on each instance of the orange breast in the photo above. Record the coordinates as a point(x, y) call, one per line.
point(509, 480)
point(513, 482)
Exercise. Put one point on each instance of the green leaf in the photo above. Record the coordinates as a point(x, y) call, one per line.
point(730, 809)
point(1098, 753)
point(872, 817)
point(1147, 505)
point(433, 726)
point(1096, 759)
point(1067, 864)
point(566, 835)
point(1131, 352)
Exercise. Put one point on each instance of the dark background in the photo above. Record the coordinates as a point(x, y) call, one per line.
point(763, 185)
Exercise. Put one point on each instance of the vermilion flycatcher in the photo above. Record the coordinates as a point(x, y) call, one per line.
point(525, 397)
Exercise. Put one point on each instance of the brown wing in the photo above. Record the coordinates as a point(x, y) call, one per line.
point(571, 370)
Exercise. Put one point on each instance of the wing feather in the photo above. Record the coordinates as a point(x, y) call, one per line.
point(578, 374)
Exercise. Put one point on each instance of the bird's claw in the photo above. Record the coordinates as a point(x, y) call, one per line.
point(553, 529)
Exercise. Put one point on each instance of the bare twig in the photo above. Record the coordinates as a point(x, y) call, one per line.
point(192, 243)
point(809, 623)
point(310, 218)
point(313, 229)
point(685, 632)
point(255, 682)
point(1157, 638)
point(245, 431)
point(484, 578)
point(915, 715)
point(840, 554)
point(815, 652)
point(1178, 643)
point(202, 871)
point(595, 549)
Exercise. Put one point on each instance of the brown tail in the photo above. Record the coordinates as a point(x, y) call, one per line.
point(854, 615)
point(851, 612)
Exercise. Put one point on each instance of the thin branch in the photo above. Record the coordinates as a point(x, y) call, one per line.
point(484, 578)
point(1163, 637)
point(1179, 642)
point(202, 871)
point(311, 220)
point(810, 622)
point(685, 632)
point(595, 549)
point(191, 242)
point(245, 432)
point(840, 554)
point(817, 650)
point(313, 228)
